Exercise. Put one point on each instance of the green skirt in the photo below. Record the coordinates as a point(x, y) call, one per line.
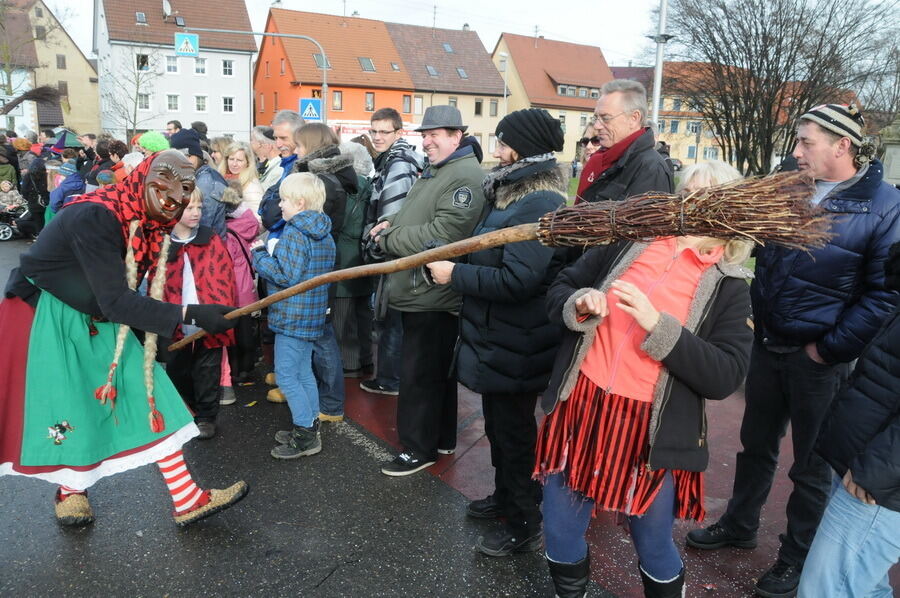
point(67, 429)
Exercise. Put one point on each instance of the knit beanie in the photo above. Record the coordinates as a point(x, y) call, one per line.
point(189, 140)
point(105, 177)
point(840, 119)
point(531, 132)
point(153, 142)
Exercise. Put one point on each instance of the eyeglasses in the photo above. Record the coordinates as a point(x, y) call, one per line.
point(595, 140)
point(374, 132)
point(605, 118)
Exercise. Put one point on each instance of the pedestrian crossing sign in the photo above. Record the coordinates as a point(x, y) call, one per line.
point(187, 44)
point(311, 109)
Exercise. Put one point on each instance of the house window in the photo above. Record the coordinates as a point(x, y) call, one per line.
point(142, 62)
point(317, 93)
point(282, 66)
point(583, 121)
point(40, 32)
point(477, 137)
point(418, 105)
point(431, 70)
point(478, 107)
point(171, 64)
point(38, 12)
point(140, 18)
point(172, 102)
point(582, 92)
point(267, 68)
point(673, 126)
point(227, 104)
point(661, 127)
point(321, 62)
point(461, 72)
point(370, 101)
point(337, 100)
point(179, 21)
point(448, 48)
point(710, 153)
point(492, 109)
point(199, 66)
point(200, 103)
point(452, 102)
point(595, 93)
point(562, 121)
point(693, 127)
point(395, 66)
point(228, 68)
point(407, 104)
point(561, 90)
point(492, 143)
point(143, 101)
point(63, 87)
point(366, 64)
point(570, 90)
point(275, 102)
point(676, 105)
point(692, 152)
point(262, 102)
point(61, 62)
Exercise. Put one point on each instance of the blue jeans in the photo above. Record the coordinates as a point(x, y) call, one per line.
point(293, 369)
point(329, 369)
point(567, 514)
point(855, 546)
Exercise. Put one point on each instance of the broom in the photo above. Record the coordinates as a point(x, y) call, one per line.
point(775, 209)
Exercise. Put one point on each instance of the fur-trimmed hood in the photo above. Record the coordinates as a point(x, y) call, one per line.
point(329, 160)
point(510, 191)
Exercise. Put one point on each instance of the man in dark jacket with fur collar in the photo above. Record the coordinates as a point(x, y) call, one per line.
point(813, 314)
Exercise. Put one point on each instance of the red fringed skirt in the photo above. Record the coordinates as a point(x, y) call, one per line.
point(600, 442)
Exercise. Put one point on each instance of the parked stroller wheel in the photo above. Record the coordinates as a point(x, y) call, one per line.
point(6, 232)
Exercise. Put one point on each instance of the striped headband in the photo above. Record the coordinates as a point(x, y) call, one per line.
point(840, 119)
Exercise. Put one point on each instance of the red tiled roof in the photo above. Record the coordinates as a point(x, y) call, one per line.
point(544, 63)
point(421, 46)
point(17, 36)
point(641, 74)
point(345, 40)
point(212, 14)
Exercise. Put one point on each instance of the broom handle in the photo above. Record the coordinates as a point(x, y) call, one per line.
point(513, 234)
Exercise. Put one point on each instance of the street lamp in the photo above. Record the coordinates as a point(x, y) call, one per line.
point(661, 38)
point(503, 56)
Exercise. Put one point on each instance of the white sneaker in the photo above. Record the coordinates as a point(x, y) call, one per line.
point(228, 397)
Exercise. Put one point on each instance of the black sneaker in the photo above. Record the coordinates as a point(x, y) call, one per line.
point(716, 536)
point(504, 542)
point(302, 443)
point(207, 430)
point(486, 508)
point(405, 464)
point(780, 581)
point(378, 388)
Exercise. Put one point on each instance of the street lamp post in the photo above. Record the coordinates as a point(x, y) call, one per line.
point(504, 56)
point(660, 38)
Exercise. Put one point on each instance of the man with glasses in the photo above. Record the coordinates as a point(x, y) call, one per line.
point(397, 167)
point(626, 163)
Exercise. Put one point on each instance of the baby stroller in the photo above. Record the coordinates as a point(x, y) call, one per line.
point(8, 228)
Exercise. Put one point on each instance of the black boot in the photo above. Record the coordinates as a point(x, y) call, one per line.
point(663, 589)
point(571, 579)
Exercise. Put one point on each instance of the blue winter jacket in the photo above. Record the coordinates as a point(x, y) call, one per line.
point(834, 296)
point(305, 249)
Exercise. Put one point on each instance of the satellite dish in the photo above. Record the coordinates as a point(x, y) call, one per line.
point(167, 9)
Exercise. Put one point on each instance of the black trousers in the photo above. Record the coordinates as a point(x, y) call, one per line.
point(782, 388)
point(426, 407)
point(512, 431)
point(196, 371)
point(242, 355)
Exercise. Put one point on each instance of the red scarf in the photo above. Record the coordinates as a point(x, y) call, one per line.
point(602, 160)
point(126, 201)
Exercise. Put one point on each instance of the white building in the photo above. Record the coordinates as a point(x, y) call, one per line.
point(144, 84)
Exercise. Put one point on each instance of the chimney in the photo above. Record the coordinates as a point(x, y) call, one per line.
point(465, 26)
point(629, 64)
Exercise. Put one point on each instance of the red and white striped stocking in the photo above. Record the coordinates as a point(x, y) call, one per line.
point(185, 493)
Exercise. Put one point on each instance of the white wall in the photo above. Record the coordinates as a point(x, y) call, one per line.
point(24, 116)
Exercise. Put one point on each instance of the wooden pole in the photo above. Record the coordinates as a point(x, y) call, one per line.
point(513, 234)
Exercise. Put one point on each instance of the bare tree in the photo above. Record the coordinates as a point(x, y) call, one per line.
point(761, 63)
point(128, 102)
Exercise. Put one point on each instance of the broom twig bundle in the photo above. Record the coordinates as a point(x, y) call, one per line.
point(774, 209)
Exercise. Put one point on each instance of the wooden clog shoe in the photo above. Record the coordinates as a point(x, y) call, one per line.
point(219, 500)
point(73, 510)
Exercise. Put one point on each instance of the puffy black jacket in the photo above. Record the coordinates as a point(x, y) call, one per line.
point(640, 169)
point(862, 432)
point(507, 343)
point(834, 296)
point(707, 358)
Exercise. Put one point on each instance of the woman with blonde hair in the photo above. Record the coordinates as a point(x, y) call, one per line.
point(653, 331)
point(217, 147)
point(589, 143)
point(238, 165)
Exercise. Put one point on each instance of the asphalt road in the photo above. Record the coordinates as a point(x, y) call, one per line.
point(327, 525)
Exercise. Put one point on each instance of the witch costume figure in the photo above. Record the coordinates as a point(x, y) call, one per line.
point(70, 364)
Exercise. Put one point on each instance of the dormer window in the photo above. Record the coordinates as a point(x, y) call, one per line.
point(140, 18)
point(448, 48)
point(366, 64)
point(462, 72)
point(431, 70)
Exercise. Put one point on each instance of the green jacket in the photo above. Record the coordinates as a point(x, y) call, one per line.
point(443, 206)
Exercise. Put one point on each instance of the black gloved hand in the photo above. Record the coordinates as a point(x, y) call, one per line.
point(210, 318)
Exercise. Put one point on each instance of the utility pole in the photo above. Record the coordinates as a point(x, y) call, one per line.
point(660, 38)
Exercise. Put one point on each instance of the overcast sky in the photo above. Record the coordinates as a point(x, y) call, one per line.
point(618, 28)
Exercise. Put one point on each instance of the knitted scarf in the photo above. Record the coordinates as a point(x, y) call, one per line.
point(495, 177)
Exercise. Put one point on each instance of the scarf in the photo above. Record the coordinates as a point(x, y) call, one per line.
point(498, 174)
point(602, 160)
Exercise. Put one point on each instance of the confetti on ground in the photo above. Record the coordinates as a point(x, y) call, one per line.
point(250, 404)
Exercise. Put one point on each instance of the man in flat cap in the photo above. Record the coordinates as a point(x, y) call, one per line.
point(443, 206)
